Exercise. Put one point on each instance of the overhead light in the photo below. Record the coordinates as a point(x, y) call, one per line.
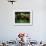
point(12, 1)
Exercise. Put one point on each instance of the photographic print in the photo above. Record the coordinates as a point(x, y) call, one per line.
point(23, 18)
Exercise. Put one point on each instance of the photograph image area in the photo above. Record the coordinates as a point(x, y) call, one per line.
point(22, 17)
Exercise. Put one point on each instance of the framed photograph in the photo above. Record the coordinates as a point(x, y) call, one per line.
point(23, 18)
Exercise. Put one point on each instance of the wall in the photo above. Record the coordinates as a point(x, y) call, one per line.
point(9, 31)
